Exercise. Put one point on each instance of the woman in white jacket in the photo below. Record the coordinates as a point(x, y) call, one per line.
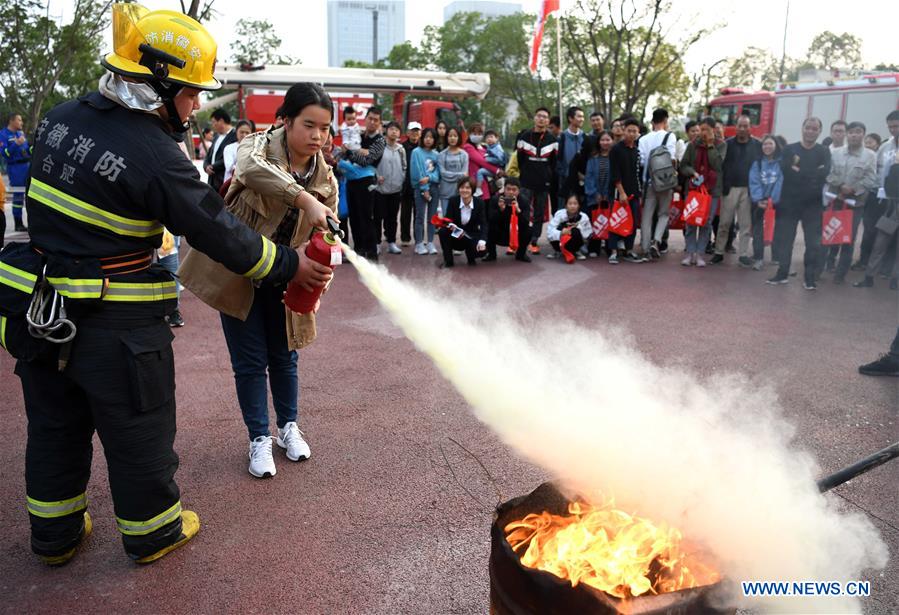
point(574, 225)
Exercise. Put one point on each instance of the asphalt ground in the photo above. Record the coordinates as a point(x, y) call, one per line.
point(392, 512)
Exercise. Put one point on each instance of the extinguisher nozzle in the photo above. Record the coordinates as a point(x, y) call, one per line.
point(334, 226)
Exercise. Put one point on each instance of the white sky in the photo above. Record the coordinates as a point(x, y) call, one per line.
point(302, 25)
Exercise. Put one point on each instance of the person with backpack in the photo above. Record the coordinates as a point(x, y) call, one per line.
point(657, 155)
point(766, 179)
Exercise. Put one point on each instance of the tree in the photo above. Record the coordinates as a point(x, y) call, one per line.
point(43, 61)
point(757, 68)
point(831, 51)
point(471, 42)
point(200, 12)
point(625, 54)
point(257, 44)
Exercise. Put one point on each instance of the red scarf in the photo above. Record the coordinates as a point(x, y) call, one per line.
point(702, 165)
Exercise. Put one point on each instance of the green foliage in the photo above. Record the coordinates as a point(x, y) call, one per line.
point(756, 69)
point(473, 43)
point(45, 62)
point(257, 44)
point(832, 51)
point(625, 54)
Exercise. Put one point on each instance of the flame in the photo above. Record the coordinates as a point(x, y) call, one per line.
point(606, 548)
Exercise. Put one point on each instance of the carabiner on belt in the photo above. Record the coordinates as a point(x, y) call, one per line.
point(46, 315)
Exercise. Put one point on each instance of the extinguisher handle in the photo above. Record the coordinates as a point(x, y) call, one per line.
point(334, 226)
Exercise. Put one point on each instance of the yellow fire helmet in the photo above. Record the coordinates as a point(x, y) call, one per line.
point(163, 46)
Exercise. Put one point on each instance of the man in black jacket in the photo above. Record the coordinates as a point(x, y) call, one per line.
point(805, 167)
point(499, 217)
point(407, 205)
point(742, 150)
point(536, 150)
point(469, 225)
point(214, 163)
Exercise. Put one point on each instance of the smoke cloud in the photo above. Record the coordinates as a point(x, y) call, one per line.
point(713, 457)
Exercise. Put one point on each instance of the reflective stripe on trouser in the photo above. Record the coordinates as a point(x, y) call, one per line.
point(142, 528)
point(17, 278)
point(61, 508)
point(89, 214)
point(121, 384)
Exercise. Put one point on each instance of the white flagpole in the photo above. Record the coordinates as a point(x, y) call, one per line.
point(559, 59)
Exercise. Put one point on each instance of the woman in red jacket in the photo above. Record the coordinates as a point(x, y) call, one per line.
point(478, 161)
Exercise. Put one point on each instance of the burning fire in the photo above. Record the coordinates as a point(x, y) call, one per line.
point(608, 549)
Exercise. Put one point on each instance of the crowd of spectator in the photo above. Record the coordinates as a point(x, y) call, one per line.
point(594, 192)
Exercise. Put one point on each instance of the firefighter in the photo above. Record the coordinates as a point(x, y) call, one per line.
point(16, 152)
point(109, 175)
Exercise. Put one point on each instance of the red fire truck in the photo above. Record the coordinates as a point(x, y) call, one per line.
point(260, 90)
point(866, 99)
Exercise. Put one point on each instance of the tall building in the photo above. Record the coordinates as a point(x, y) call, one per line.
point(485, 7)
point(351, 29)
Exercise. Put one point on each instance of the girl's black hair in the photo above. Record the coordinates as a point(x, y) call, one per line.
point(440, 142)
point(578, 197)
point(467, 181)
point(301, 95)
point(777, 147)
point(595, 142)
point(425, 133)
point(459, 140)
point(249, 123)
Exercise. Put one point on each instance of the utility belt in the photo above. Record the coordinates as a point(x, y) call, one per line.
point(41, 294)
point(10, 163)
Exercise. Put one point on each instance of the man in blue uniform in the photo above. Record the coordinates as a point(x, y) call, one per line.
point(17, 154)
point(108, 176)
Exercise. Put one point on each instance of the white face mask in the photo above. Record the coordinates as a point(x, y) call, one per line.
point(475, 139)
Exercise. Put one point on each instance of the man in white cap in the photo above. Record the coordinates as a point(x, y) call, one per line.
point(407, 205)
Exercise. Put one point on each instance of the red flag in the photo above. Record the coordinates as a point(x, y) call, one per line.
point(546, 7)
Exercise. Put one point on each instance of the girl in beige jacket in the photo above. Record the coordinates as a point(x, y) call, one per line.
point(277, 173)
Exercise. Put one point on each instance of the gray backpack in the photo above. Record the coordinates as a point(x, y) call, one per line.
point(661, 167)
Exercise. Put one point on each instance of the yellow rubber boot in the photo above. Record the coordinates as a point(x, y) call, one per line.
point(59, 560)
point(190, 525)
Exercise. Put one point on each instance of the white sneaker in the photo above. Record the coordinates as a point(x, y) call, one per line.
point(291, 438)
point(420, 248)
point(262, 465)
point(479, 193)
point(394, 249)
point(432, 249)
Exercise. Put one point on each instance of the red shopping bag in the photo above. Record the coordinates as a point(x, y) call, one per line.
point(768, 224)
point(566, 254)
point(599, 218)
point(621, 220)
point(676, 213)
point(836, 228)
point(513, 230)
point(697, 207)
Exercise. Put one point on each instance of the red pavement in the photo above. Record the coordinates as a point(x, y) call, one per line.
point(376, 521)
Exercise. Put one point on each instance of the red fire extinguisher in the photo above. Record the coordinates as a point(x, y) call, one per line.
point(323, 248)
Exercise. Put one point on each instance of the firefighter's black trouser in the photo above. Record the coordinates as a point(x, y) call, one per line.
point(120, 381)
